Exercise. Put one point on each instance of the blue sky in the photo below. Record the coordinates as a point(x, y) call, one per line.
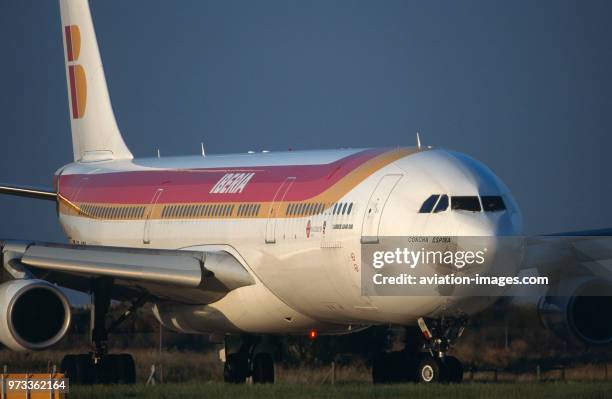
point(523, 86)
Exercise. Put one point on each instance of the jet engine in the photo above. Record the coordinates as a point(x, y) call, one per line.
point(580, 311)
point(34, 314)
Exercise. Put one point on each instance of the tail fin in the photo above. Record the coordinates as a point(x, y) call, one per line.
point(95, 135)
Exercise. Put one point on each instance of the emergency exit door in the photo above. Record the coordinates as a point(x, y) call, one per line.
point(274, 211)
point(375, 207)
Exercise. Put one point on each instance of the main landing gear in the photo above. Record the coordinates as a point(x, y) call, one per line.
point(100, 367)
point(246, 356)
point(424, 357)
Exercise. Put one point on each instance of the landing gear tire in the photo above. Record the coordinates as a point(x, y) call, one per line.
point(111, 369)
point(380, 370)
point(78, 368)
point(120, 369)
point(431, 370)
point(454, 369)
point(236, 368)
point(98, 366)
point(393, 367)
point(263, 369)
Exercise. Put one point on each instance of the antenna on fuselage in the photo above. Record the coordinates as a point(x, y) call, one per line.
point(203, 152)
point(418, 140)
point(158, 153)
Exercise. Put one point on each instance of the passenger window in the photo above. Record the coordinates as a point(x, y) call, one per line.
point(465, 203)
point(348, 211)
point(429, 203)
point(344, 208)
point(442, 204)
point(492, 203)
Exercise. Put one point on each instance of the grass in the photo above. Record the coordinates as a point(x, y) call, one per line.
point(354, 391)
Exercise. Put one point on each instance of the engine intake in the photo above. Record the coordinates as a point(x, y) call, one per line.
point(580, 315)
point(37, 314)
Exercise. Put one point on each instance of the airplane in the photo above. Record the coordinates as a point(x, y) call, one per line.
point(245, 246)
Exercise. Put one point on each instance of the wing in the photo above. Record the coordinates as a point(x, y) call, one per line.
point(183, 276)
point(569, 255)
point(45, 193)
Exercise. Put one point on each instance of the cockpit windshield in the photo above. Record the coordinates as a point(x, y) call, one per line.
point(465, 203)
point(439, 202)
point(493, 203)
point(442, 204)
point(429, 203)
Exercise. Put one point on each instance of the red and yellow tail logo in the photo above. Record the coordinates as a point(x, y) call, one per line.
point(76, 73)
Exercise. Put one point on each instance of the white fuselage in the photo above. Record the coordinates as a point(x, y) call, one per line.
point(306, 265)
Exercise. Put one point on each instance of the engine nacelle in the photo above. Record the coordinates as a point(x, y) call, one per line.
point(34, 314)
point(581, 313)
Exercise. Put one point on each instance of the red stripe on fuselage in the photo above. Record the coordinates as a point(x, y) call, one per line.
point(194, 185)
point(68, 34)
point(73, 92)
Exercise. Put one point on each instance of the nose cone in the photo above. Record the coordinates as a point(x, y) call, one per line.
point(451, 174)
point(466, 176)
point(485, 226)
point(482, 234)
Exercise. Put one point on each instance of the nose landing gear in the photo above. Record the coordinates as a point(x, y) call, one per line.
point(436, 365)
point(424, 358)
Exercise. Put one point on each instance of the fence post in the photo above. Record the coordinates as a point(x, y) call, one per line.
point(495, 375)
point(333, 372)
point(3, 387)
point(538, 373)
point(563, 373)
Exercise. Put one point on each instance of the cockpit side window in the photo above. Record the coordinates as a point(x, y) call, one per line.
point(429, 203)
point(493, 203)
point(442, 204)
point(465, 203)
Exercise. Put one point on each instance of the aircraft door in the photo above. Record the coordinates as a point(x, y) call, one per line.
point(374, 209)
point(146, 239)
point(273, 213)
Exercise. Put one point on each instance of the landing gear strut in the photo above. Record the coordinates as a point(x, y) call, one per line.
point(245, 357)
point(436, 365)
point(424, 358)
point(98, 366)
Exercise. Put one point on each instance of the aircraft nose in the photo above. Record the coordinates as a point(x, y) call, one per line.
point(489, 224)
point(497, 237)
